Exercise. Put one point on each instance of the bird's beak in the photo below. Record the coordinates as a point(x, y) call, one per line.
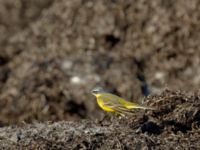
point(92, 93)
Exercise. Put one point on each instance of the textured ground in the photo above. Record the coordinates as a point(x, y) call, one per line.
point(175, 124)
point(52, 53)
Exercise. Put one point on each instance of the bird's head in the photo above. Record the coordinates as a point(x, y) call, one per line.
point(97, 91)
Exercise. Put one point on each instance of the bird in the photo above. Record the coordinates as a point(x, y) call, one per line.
point(115, 104)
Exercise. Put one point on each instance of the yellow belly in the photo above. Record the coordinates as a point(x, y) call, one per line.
point(104, 107)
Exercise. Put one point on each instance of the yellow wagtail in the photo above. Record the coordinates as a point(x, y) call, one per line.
point(115, 104)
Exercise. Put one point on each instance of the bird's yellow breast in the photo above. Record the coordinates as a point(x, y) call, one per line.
point(103, 106)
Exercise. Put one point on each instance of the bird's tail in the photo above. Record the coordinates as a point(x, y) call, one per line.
point(136, 106)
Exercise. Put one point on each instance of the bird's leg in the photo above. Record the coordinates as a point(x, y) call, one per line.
point(112, 117)
point(109, 116)
point(116, 116)
point(106, 117)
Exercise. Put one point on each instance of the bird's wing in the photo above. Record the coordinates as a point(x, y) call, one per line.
point(118, 107)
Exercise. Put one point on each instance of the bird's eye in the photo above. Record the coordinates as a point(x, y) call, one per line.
point(94, 91)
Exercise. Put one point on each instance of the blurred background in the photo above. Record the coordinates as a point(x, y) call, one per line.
point(53, 53)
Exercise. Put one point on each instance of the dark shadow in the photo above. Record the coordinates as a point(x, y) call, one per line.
point(151, 127)
point(177, 126)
